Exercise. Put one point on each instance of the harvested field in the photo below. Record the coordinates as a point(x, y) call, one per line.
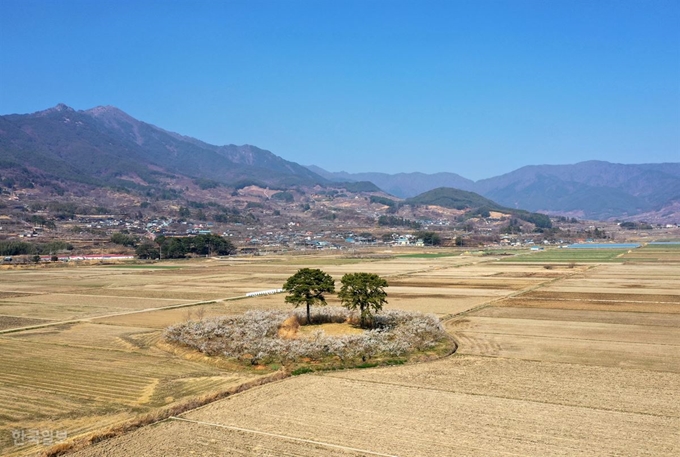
point(84, 377)
point(609, 304)
point(433, 280)
point(646, 347)
point(446, 423)
point(215, 442)
point(537, 381)
point(87, 335)
point(579, 330)
point(654, 253)
point(572, 255)
point(639, 356)
point(619, 295)
point(99, 371)
point(164, 318)
point(441, 305)
point(7, 322)
point(577, 315)
point(571, 360)
point(97, 301)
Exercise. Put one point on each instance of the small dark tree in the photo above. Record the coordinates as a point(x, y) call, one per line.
point(363, 291)
point(429, 238)
point(147, 250)
point(124, 239)
point(184, 212)
point(308, 286)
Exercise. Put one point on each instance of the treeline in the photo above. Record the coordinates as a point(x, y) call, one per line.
point(124, 239)
point(284, 196)
point(41, 221)
point(429, 238)
point(206, 184)
point(635, 226)
point(572, 220)
point(226, 215)
point(382, 200)
point(9, 248)
point(63, 210)
point(539, 220)
point(393, 206)
point(180, 247)
point(395, 221)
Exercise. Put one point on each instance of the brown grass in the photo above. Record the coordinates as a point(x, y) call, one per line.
point(289, 328)
point(306, 331)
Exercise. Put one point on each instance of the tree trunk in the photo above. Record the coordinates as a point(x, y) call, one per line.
point(309, 315)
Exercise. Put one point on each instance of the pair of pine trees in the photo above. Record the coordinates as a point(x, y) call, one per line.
point(362, 291)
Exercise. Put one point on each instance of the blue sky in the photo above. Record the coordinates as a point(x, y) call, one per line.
point(477, 88)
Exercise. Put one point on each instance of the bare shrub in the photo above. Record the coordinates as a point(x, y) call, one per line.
point(255, 336)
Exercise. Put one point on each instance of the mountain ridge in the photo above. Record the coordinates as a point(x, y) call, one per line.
point(102, 144)
point(593, 189)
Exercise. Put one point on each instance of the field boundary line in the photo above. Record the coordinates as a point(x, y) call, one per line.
point(285, 437)
point(517, 293)
point(581, 364)
point(124, 313)
point(438, 267)
point(602, 300)
point(553, 337)
point(534, 319)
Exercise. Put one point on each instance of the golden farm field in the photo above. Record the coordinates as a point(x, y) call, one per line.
point(566, 360)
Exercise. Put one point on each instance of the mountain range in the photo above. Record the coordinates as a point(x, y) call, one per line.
point(592, 189)
point(104, 146)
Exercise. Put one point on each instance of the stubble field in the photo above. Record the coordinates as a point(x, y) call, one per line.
point(568, 360)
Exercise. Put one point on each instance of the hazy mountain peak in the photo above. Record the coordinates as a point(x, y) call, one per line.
point(100, 145)
point(402, 185)
point(108, 110)
point(59, 108)
point(118, 121)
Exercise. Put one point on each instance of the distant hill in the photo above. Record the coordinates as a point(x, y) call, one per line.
point(474, 203)
point(403, 185)
point(105, 146)
point(453, 198)
point(593, 189)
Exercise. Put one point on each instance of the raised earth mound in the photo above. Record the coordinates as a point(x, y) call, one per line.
point(333, 340)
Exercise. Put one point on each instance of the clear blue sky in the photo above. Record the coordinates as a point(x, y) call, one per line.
point(477, 88)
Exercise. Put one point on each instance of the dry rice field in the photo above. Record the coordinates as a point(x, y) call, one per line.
point(563, 361)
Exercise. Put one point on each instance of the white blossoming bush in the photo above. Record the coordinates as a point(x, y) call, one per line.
point(255, 336)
